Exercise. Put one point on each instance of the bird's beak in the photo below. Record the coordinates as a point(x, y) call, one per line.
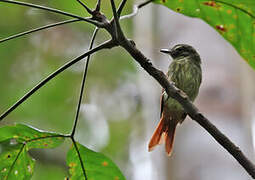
point(167, 51)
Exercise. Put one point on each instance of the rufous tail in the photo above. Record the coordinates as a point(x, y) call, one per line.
point(164, 132)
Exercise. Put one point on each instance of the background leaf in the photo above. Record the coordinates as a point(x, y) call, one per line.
point(15, 161)
point(97, 166)
point(15, 141)
point(34, 138)
point(233, 19)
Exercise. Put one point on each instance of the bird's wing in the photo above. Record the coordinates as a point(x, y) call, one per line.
point(162, 102)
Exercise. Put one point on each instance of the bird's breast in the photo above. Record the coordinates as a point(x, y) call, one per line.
point(187, 76)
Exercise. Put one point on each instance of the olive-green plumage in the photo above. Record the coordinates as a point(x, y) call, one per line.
point(185, 73)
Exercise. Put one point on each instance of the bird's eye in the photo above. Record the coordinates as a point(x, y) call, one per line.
point(177, 49)
point(180, 49)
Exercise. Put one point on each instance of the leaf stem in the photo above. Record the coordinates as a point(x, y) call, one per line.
point(21, 149)
point(46, 137)
point(236, 7)
point(83, 83)
point(79, 156)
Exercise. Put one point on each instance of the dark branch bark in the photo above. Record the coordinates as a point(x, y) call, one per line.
point(180, 96)
point(193, 112)
point(226, 143)
point(183, 99)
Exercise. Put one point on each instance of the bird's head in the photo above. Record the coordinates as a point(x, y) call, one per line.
point(182, 51)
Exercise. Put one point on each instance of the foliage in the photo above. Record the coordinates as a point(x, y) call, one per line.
point(17, 140)
point(96, 165)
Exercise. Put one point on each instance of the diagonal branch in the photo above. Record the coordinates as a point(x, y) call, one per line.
point(38, 29)
point(226, 143)
point(89, 20)
point(83, 83)
point(192, 110)
point(105, 45)
point(181, 97)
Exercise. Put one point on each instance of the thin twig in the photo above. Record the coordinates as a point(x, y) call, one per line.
point(86, 7)
point(98, 5)
point(114, 11)
point(115, 20)
point(107, 44)
point(80, 159)
point(134, 13)
point(144, 4)
point(83, 83)
point(38, 29)
point(135, 10)
point(122, 5)
point(52, 10)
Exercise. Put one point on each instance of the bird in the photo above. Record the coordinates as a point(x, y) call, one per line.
point(185, 73)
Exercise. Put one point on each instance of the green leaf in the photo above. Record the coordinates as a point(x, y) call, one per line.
point(233, 19)
point(15, 162)
point(33, 137)
point(97, 166)
point(15, 141)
